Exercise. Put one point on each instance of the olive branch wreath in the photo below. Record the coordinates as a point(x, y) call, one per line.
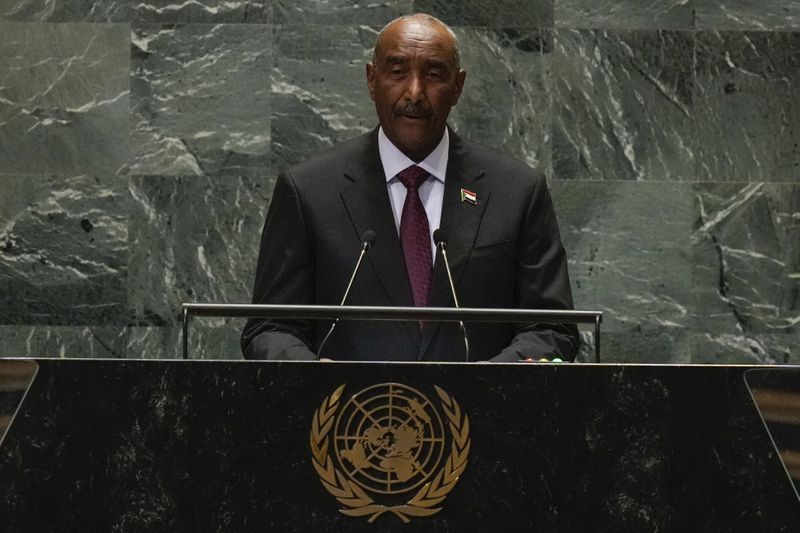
point(356, 501)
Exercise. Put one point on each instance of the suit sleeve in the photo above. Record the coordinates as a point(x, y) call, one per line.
point(541, 282)
point(284, 275)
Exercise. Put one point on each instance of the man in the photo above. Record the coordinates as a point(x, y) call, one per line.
point(403, 180)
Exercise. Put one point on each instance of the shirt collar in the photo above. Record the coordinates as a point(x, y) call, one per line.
point(394, 160)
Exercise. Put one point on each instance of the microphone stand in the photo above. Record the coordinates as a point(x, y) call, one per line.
point(367, 240)
point(441, 244)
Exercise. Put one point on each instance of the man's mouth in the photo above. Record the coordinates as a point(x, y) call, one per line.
point(412, 113)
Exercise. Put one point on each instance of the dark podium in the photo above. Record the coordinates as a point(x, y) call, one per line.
point(134, 445)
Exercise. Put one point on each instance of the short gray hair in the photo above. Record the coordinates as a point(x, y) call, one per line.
point(430, 19)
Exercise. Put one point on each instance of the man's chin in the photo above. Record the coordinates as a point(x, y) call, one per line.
point(414, 138)
point(417, 150)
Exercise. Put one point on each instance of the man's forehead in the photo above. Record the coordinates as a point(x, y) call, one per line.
point(414, 37)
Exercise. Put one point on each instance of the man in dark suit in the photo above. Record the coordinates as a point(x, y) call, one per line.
point(402, 181)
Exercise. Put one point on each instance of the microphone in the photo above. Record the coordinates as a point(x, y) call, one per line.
point(367, 241)
point(440, 238)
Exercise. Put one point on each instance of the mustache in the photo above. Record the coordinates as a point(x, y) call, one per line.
point(412, 109)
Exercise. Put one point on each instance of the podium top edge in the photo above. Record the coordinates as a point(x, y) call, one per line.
point(405, 363)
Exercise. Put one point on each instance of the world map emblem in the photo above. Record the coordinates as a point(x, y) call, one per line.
point(389, 449)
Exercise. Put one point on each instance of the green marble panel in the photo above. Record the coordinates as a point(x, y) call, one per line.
point(63, 341)
point(625, 14)
point(229, 11)
point(63, 98)
point(200, 99)
point(747, 14)
point(346, 12)
point(629, 255)
point(208, 339)
point(747, 106)
point(319, 89)
point(693, 347)
point(506, 101)
point(63, 250)
point(650, 345)
point(623, 105)
point(65, 10)
point(193, 239)
point(746, 256)
point(496, 14)
point(745, 349)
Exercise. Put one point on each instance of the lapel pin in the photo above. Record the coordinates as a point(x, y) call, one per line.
point(469, 196)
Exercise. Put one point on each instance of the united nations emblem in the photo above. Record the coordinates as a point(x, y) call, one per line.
point(388, 449)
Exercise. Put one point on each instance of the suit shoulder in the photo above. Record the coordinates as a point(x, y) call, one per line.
point(511, 176)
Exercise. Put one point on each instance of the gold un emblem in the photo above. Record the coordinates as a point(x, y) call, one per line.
point(388, 449)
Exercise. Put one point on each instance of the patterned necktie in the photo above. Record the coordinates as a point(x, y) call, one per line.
point(415, 235)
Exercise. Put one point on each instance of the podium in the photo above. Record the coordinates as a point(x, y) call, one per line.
point(137, 445)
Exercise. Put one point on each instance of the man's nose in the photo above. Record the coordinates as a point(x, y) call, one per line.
point(415, 88)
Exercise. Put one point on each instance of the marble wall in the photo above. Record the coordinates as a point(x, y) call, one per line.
point(139, 142)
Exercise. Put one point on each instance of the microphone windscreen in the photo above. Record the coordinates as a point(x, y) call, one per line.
point(368, 237)
point(439, 236)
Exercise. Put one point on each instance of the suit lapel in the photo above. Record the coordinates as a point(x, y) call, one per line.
point(366, 200)
point(460, 222)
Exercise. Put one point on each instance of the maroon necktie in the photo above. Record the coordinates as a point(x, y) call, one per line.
point(415, 235)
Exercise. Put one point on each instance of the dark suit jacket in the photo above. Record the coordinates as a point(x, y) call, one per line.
point(504, 252)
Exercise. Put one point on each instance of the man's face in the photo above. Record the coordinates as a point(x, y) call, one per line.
point(414, 83)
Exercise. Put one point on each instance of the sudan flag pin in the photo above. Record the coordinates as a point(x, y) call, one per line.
point(469, 196)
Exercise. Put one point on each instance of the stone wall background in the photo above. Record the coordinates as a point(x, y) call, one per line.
point(139, 142)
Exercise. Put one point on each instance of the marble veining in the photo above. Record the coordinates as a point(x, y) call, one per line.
point(65, 10)
point(63, 250)
point(343, 12)
point(166, 11)
point(738, 348)
point(506, 104)
point(623, 105)
point(746, 244)
point(64, 341)
point(319, 91)
point(63, 95)
point(193, 239)
point(747, 14)
point(646, 292)
point(496, 14)
point(748, 101)
point(200, 99)
point(198, 11)
point(209, 338)
point(625, 14)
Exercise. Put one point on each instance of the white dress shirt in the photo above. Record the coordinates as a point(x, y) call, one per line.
point(431, 192)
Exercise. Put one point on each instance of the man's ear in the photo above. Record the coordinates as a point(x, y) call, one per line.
point(371, 80)
point(461, 75)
